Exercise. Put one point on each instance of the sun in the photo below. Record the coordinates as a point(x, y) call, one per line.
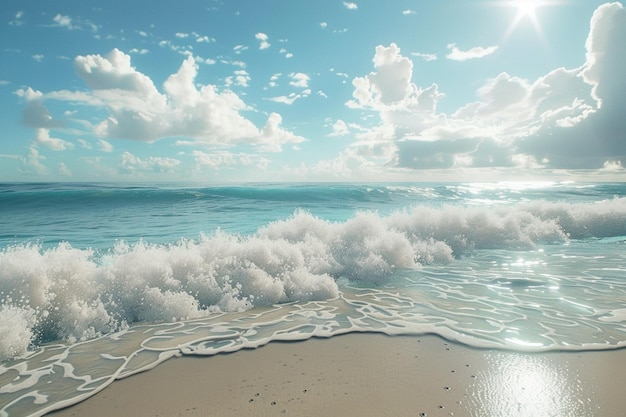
point(527, 8)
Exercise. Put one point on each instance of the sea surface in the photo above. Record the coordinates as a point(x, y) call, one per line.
point(101, 281)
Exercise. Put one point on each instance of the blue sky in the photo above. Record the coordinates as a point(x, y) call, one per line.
point(270, 90)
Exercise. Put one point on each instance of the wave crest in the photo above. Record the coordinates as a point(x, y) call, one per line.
point(76, 294)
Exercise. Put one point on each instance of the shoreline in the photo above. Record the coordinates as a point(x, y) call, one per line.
point(369, 374)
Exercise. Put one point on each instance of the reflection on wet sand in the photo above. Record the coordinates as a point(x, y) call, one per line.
point(517, 384)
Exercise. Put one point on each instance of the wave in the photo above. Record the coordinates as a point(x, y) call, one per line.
point(70, 294)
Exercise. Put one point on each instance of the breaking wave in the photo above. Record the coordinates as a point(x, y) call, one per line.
point(70, 294)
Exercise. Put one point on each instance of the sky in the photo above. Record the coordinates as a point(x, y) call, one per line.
point(302, 91)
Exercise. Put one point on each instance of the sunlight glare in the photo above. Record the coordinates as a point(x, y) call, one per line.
point(527, 8)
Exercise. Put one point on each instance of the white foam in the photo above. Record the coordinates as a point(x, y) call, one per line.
point(74, 294)
point(16, 330)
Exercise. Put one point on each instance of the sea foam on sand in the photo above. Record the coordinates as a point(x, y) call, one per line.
point(370, 375)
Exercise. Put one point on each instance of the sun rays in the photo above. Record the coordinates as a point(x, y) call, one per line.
point(525, 10)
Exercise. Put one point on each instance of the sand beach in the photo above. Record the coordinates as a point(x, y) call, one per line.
point(370, 375)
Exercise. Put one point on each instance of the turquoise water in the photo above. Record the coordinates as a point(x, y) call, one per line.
point(99, 281)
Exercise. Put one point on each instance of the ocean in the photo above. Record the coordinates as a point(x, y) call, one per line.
point(102, 281)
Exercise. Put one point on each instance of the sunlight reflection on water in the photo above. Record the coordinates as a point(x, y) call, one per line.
point(522, 385)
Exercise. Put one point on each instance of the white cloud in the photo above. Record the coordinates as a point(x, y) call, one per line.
point(274, 80)
point(411, 134)
point(340, 128)
point(291, 98)
point(389, 84)
point(264, 40)
point(131, 164)
point(239, 49)
point(31, 163)
point(73, 23)
point(63, 21)
point(347, 166)
point(273, 136)
point(43, 138)
point(181, 35)
point(426, 57)
point(105, 146)
point(350, 5)
point(207, 61)
point(241, 78)
point(566, 119)
point(137, 110)
point(38, 57)
point(612, 166)
point(223, 159)
point(408, 12)
point(476, 52)
point(139, 51)
point(299, 79)
point(287, 54)
point(323, 25)
point(63, 170)
point(36, 114)
point(17, 21)
point(589, 130)
point(205, 39)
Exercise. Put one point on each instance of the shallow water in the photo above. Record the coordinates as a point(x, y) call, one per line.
point(99, 281)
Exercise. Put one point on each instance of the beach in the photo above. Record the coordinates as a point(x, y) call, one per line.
point(366, 374)
point(287, 304)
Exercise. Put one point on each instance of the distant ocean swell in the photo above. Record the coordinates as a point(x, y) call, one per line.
point(69, 294)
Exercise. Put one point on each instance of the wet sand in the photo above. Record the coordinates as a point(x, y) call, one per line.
point(370, 375)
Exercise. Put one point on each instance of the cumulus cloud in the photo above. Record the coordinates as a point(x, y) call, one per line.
point(340, 128)
point(63, 21)
point(263, 38)
point(273, 136)
point(224, 159)
point(32, 162)
point(568, 118)
point(69, 23)
point(299, 79)
point(390, 84)
point(590, 130)
point(350, 5)
point(476, 52)
point(36, 114)
point(43, 138)
point(241, 78)
point(137, 110)
point(131, 164)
